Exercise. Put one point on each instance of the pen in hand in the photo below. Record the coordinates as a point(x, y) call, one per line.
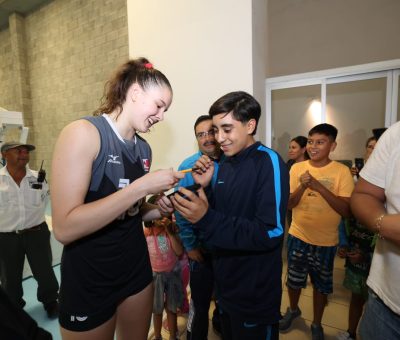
point(189, 170)
point(196, 168)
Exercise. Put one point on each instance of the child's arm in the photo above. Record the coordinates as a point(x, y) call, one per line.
point(296, 196)
point(340, 204)
point(343, 239)
point(175, 241)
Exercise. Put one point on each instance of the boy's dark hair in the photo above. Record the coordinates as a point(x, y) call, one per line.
point(325, 129)
point(242, 105)
point(201, 119)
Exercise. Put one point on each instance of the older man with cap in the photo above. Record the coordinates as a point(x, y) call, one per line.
point(23, 229)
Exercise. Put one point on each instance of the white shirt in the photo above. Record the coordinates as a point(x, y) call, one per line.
point(383, 170)
point(21, 207)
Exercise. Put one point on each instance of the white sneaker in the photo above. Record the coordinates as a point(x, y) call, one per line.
point(344, 336)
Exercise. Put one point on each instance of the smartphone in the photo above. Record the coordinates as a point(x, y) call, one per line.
point(193, 188)
point(359, 163)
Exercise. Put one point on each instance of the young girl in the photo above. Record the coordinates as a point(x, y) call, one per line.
point(164, 249)
point(297, 153)
point(101, 173)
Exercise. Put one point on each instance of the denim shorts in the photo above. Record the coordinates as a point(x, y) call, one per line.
point(168, 290)
point(306, 259)
point(379, 321)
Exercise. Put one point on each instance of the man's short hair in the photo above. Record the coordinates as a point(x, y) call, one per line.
point(324, 129)
point(201, 119)
point(241, 105)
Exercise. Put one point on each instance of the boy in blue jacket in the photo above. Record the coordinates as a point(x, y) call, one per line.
point(242, 217)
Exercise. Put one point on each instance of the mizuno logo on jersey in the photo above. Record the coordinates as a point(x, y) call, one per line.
point(113, 159)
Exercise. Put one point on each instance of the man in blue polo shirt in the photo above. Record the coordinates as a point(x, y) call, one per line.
point(201, 274)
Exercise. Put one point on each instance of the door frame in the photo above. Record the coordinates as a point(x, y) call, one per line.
point(389, 69)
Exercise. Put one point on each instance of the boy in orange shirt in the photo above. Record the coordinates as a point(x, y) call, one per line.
point(320, 191)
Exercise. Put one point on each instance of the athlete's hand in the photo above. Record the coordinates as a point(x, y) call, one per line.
point(165, 206)
point(160, 180)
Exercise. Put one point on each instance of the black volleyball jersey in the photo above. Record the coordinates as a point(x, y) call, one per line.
point(105, 267)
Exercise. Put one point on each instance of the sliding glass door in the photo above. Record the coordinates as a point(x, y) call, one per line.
point(353, 102)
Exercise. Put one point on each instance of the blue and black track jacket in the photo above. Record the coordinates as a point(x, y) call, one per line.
point(245, 226)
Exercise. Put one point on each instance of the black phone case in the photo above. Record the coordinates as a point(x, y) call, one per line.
point(359, 163)
point(193, 188)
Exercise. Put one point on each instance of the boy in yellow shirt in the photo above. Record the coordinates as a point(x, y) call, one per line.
point(320, 191)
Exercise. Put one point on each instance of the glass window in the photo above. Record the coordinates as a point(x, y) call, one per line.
point(398, 100)
point(292, 115)
point(355, 108)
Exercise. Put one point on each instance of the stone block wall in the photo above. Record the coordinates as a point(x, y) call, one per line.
point(71, 48)
point(6, 79)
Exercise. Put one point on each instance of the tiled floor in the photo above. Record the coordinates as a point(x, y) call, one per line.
point(334, 319)
point(335, 315)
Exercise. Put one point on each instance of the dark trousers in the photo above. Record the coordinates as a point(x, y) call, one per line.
point(35, 245)
point(16, 324)
point(201, 287)
point(236, 328)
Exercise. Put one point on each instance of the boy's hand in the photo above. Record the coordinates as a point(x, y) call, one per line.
point(308, 181)
point(354, 171)
point(315, 185)
point(193, 207)
point(204, 172)
point(195, 255)
point(355, 256)
point(305, 179)
point(342, 252)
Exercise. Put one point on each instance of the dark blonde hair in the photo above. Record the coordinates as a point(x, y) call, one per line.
point(139, 71)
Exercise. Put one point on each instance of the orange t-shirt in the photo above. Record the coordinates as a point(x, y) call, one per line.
point(314, 220)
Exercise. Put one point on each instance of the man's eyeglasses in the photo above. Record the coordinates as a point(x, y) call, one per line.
point(202, 135)
point(20, 150)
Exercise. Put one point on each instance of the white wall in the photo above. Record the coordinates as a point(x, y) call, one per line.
point(260, 53)
point(310, 35)
point(204, 48)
